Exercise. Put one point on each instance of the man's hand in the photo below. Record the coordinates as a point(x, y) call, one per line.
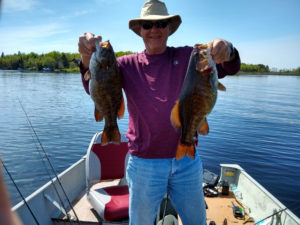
point(86, 47)
point(221, 50)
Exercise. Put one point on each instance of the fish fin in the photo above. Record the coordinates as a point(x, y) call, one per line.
point(221, 87)
point(204, 128)
point(110, 134)
point(87, 75)
point(183, 149)
point(104, 138)
point(116, 137)
point(98, 115)
point(175, 120)
point(190, 151)
point(122, 109)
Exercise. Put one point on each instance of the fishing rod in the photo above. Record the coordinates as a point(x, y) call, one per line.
point(51, 166)
point(20, 193)
point(51, 180)
point(281, 210)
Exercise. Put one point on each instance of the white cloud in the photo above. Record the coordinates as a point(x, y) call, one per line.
point(281, 53)
point(23, 39)
point(33, 32)
point(66, 45)
point(73, 15)
point(18, 5)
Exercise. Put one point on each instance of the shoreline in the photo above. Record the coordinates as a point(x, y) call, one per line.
point(240, 73)
point(44, 71)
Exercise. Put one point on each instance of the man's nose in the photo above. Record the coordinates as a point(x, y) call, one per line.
point(154, 27)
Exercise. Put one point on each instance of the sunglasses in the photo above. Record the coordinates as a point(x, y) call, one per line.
point(160, 24)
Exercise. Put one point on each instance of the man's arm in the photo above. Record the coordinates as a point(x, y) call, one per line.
point(85, 82)
point(231, 67)
point(225, 56)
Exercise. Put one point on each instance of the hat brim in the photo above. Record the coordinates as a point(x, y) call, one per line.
point(175, 21)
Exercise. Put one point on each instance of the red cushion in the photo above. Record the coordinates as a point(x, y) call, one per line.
point(118, 206)
point(112, 159)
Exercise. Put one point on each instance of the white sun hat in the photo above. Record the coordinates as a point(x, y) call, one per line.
point(155, 10)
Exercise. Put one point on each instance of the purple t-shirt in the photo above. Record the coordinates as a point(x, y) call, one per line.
point(152, 84)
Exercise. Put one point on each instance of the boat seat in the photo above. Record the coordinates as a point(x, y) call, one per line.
point(104, 163)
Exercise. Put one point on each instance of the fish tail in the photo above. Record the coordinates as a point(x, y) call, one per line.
point(110, 134)
point(175, 119)
point(184, 149)
point(190, 152)
point(116, 137)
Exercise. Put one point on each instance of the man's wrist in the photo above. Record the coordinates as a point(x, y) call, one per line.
point(82, 67)
point(83, 64)
point(85, 59)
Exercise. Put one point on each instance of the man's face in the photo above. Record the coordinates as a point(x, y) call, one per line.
point(155, 35)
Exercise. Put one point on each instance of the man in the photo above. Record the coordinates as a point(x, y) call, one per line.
point(152, 82)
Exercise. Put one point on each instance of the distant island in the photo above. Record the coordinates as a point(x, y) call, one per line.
point(68, 63)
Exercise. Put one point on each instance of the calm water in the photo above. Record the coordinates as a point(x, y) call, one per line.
point(255, 123)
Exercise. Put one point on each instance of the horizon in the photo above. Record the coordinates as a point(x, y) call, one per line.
point(71, 53)
point(253, 27)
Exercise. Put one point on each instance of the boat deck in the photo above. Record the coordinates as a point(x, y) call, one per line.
point(84, 209)
point(219, 208)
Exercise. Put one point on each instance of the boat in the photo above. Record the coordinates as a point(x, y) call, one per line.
point(232, 197)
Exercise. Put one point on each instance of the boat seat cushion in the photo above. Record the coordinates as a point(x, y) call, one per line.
point(111, 203)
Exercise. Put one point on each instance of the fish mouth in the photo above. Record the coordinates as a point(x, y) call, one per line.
point(105, 51)
point(203, 65)
point(201, 46)
point(105, 44)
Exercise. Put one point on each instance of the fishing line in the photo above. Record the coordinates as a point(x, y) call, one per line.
point(271, 215)
point(51, 180)
point(49, 162)
point(8, 173)
point(58, 195)
point(281, 210)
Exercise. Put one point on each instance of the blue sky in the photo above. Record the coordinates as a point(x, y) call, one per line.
point(264, 31)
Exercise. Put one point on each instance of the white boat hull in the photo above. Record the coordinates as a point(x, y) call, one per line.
point(46, 205)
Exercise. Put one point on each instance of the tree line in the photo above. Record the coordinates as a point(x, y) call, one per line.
point(263, 69)
point(68, 62)
point(52, 61)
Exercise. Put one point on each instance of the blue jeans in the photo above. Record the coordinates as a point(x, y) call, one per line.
point(150, 179)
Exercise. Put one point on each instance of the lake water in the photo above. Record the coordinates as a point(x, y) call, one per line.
point(255, 123)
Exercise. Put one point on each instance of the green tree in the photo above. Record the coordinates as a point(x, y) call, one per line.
point(49, 62)
point(65, 61)
point(121, 53)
